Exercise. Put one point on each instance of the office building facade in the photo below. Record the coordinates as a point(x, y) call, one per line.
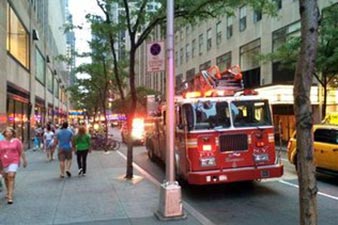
point(237, 40)
point(33, 81)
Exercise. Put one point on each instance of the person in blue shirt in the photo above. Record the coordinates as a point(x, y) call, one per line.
point(64, 139)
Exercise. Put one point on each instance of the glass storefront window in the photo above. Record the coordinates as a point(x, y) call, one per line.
point(49, 80)
point(56, 88)
point(17, 38)
point(18, 120)
point(40, 67)
point(10, 112)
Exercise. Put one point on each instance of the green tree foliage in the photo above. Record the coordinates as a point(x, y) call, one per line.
point(326, 72)
point(139, 22)
point(94, 92)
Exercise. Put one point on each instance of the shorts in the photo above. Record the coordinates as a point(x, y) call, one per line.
point(49, 144)
point(13, 167)
point(63, 155)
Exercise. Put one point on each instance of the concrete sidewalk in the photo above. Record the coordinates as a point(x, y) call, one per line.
point(101, 197)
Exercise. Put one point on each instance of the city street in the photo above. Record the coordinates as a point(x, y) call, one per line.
point(252, 203)
point(104, 197)
point(209, 87)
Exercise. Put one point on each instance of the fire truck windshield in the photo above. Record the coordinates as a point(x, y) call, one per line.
point(223, 114)
point(210, 115)
point(250, 113)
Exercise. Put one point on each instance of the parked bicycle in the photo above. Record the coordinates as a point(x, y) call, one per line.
point(101, 142)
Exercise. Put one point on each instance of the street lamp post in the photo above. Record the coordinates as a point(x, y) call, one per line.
point(170, 206)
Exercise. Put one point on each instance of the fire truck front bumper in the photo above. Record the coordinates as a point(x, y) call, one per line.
point(234, 174)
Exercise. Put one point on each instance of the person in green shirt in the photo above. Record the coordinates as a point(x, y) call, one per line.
point(82, 147)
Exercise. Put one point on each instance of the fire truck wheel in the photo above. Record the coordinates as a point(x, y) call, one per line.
point(177, 167)
point(151, 153)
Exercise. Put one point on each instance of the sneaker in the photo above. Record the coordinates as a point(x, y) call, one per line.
point(62, 176)
point(84, 174)
point(68, 174)
point(80, 171)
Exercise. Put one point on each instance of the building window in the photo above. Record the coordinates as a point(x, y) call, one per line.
point(280, 36)
point(229, 27)
point(278, 4)
point(17, 38)
point(248, 55)
point(40, 67)
point(200, 44)
point(224, 61)
point(49, 78)
point(179, 80)
point(187, 52)
point(181, 35)
point(187, 31)
point(242, 18)
point(205, 65)
point(193, 47)
point(56, 88)
point(176, 58)
point(209, 39)
point(218, 33)
point(282, 74)
point(189, 75)
point(181, 56)
point(257, 15)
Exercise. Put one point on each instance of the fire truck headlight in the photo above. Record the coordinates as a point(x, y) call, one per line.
point(211, 161)
point(136, 134)
point(261, 157)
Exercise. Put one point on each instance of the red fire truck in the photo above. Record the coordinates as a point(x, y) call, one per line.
point(223, 133)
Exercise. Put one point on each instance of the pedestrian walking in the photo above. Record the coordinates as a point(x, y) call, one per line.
point(1, 185)
point(38, 134)
point(48, 139)
point(11, 153)
point(82, 147)
point(63, 139)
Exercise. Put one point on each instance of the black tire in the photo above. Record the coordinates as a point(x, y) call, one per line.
point(115, 145)
point(151, 155)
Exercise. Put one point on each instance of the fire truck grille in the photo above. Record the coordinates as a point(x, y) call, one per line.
point(234, 142)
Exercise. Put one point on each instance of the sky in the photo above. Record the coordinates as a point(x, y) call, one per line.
point(79, 9)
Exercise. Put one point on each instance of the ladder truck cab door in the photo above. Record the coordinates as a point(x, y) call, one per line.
point(183, 122)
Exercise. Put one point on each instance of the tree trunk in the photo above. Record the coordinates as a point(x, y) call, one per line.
point(324, 101)
point(302, 107)
point(129, 173)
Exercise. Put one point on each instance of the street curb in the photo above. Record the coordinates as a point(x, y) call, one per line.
point(201, 218)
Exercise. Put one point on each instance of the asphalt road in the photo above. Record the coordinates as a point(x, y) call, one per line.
point(273, 201)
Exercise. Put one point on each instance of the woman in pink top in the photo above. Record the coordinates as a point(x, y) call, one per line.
point(11, 151)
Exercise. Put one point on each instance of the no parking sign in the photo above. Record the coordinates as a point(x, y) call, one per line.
point(155, 56)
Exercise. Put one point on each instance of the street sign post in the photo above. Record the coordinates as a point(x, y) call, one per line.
point(170, 206)
point(155, 57)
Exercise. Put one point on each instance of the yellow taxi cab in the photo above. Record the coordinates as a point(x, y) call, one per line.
point(325, 147)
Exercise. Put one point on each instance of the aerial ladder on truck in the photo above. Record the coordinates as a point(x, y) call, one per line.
point(213, 82)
